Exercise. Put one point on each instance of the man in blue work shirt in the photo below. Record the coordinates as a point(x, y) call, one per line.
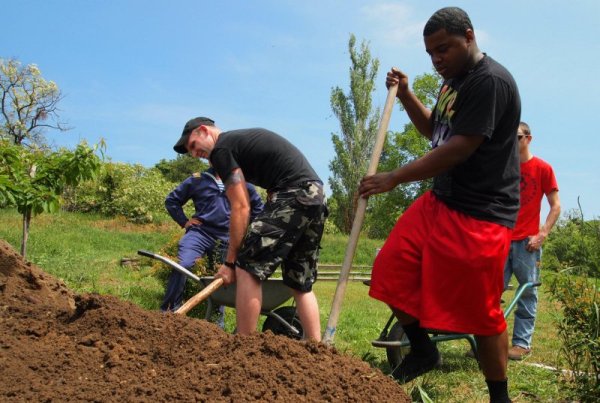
point(206, 230)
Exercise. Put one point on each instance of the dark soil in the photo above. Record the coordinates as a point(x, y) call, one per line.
point(58, 346)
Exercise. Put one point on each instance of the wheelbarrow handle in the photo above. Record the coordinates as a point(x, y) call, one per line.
point(147, 253)
point(201, 296)
point(169, 262)
point(518, 294)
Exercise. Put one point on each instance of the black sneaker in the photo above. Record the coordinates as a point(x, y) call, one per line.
point(413, 366)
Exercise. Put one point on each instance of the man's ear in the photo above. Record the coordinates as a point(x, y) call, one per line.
point(203, 129)
point(470, 36)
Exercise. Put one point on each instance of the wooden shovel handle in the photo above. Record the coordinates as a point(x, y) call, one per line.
point(201, 296)
point(359, 216)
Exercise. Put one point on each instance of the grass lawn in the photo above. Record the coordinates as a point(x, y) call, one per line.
point(85, 251)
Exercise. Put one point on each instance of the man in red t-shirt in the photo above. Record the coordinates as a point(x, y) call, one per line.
point(537, 180)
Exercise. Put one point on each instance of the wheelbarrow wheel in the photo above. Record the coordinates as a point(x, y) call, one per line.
point(395, 355)
point(289, 314)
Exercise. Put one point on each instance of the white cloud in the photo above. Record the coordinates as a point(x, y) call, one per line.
point(393, 24)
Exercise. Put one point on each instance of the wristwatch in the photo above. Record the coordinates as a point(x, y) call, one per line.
point(231, 265)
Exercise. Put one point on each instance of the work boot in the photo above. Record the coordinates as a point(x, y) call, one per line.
point(517, 353)
point(413, 366)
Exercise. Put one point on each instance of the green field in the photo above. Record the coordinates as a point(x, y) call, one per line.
point(86, 251)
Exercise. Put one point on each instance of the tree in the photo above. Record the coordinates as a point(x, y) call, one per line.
point(400, 148)
point(33, 180)
point(29, 104)
point(358, 124)
point(180, 168)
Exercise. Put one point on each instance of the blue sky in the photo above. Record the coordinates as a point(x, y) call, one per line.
point(133, 71)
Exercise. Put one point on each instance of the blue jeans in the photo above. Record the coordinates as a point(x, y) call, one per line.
point(525, 266)
point(195, 244)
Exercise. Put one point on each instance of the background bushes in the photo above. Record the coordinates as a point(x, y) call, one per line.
point(131, 191)
point(573, 250)
point(574, 244)
point(579, 331)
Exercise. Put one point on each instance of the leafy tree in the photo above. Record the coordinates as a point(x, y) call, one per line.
point(358, 124)
point(399, 149)
point(426, 88)
point(29, 104)
point(33, 180)
point(180, 168)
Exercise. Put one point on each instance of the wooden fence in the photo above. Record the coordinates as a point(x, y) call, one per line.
point(327, 272)
point(331, 272)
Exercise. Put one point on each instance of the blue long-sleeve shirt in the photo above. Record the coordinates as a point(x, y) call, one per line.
point(210, 202)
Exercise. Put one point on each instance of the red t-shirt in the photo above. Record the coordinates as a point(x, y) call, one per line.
point(537, 180)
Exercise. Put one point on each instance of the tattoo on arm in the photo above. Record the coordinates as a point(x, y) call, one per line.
point(236, 177)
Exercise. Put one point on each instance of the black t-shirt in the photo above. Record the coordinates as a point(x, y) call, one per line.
point(483, 102)
point(266, 159)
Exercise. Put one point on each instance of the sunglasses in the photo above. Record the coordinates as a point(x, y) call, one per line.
point(520, 136)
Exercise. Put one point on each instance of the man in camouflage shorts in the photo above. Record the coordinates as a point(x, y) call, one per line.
point(287, 232)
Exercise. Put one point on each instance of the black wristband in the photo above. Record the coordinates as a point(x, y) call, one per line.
point(231, 265)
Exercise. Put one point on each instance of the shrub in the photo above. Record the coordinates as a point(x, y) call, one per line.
point(330, 227)
point(132, 191)
point(206, 266)
point(574, 243)
point(579, 330)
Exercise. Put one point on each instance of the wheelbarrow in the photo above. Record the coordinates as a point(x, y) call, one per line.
point(281, 320)
point(397, 346)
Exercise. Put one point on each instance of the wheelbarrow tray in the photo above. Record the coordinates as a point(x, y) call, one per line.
point(274, 293)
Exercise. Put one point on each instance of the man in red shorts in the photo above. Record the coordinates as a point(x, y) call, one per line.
point(442, 265)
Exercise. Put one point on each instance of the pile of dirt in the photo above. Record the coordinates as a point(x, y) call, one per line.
point(58, 346)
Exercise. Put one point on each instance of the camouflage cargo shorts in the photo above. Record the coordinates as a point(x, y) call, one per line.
point(287, 232)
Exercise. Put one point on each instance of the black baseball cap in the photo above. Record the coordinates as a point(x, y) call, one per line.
point(187, 129)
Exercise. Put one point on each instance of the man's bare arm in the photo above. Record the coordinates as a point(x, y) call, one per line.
point(237, 193)
point(535, 242)
point(417, 112)
point(441, 159)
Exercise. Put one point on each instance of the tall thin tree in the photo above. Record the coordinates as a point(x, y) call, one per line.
point(358, 125)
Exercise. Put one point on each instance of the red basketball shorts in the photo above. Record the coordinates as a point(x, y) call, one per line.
point(445, 268)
